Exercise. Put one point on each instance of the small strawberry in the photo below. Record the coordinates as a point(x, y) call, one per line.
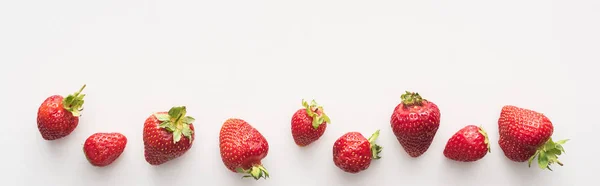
point(58, 117)
point(415, 122)
point(353, 153)
point(167, 135)
point(526, 134)
point(101, 149)
point(242, 148)
point(309, 123)
point(469, 144)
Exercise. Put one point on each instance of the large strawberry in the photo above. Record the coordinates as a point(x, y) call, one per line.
point(415, 122)
point(57, 116)
point(526, 134)
point(167, 135)
point(243, 148)
point(103, 148)
point(469, 144)
point(309, 123)
point(352, 152)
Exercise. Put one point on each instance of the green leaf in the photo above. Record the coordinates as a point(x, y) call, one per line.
point(533, 157)
point(554, 152)
point(304, 104)
point(168, 126)
point(326, 118)
point(188, 120)
point(176, 136)
point(561, 142)
point(162, 117)
point(543, 160)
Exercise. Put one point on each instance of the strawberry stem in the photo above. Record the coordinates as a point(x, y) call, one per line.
point(177, 122)
point(548, 153)
point(74, 102)
point(316, 112)
point(487, 140)
point(411, 99)
point(375, 149)
point(256, 172)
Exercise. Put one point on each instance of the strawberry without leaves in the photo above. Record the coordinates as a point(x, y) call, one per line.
point(101, 149)
point(167, 135)
point(526, 134)
point(242, 148)
point(57, 117)
point(469, 144)
point(415, 122)
point(309, 123)
point(353, 153)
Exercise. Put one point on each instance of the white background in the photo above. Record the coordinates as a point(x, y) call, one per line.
point(257, 59)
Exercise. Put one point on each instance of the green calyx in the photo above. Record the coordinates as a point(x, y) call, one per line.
point(548, 154)
point(316, 112)
point(487, 140)
point(74, 102)
point(375, 149)
point(411, 99)
point(177, 122)
point(256, 172)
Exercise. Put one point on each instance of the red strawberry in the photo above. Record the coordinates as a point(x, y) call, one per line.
point(525, 134)
point(101, 149)
point(415, 122)
point(167, 135)
point(309, 123)
point(469, 144)
point(58, 117)
point(353, 153)
point(242, 148)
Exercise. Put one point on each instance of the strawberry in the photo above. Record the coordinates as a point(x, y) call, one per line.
point(242, 148)
point(526, 134)
point(167, 135)
point(309, 123)
point(415, 122)
point(353, 153)
point(58, 117)
point(101, 149)
point(469, 144)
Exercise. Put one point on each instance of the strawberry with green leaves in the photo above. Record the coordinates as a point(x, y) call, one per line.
point(242, 148)
point(167, 135)
point(415, 122)
point(309, 123)
point(57, 117)
point(469, 144)
point(352, 152)
point(526, 134)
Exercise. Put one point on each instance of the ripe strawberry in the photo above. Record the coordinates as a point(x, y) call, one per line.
point(242, 148)
point(415, 122)
point(525, 134)
point(167, 135)
point(309, 123)
point(353, 153)
point(469, 144)
point(58, 117)
point(101, 149)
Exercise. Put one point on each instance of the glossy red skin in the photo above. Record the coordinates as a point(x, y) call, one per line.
point(53, 120)
point(415, 126)
point(302, 130)
point(158, 142)
point(352, 152)
point(522, 132)
point(102, 149)
point(466, 145)
point(241, 145)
